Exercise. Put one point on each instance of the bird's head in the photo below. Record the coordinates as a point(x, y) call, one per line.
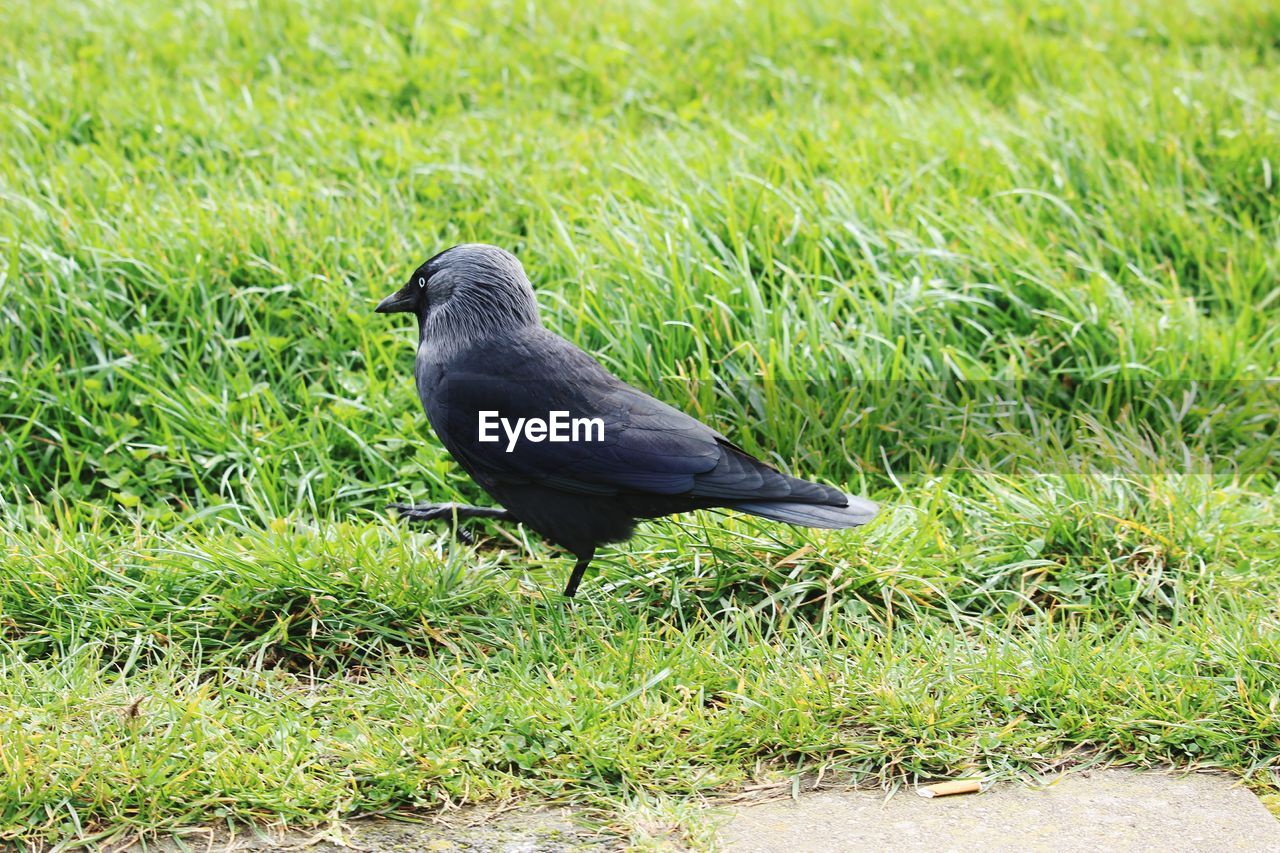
point(464, 295)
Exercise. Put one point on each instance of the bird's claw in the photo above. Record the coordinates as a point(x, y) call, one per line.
point(435, 512)
point(423, 512)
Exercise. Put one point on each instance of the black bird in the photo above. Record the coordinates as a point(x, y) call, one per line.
point(483, 354)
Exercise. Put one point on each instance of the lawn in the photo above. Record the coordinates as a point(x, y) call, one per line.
point(1012, 270)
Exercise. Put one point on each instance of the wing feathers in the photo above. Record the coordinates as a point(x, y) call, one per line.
point(649, 447)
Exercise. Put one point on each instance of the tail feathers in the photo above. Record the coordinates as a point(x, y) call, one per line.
point(859, 511)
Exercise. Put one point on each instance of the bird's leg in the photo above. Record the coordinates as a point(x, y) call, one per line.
point(432, 512)
point(454, 512)
point(578, 570)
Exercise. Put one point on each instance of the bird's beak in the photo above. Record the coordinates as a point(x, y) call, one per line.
point(404, 299)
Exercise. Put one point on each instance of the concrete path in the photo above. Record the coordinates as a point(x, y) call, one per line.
point(474, 830)
point(1112, 810)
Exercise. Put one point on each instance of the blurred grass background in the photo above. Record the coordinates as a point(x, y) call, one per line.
point(1010, 269)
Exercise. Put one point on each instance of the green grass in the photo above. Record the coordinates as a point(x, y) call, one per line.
point(841, 232)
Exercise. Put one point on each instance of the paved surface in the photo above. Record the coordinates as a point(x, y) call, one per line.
point(542, 831)
point(1113, 810)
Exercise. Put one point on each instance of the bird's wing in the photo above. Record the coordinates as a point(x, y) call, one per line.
point(648, 447)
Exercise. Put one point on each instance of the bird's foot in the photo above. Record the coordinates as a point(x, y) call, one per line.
point(452, 512)
point(433, 512)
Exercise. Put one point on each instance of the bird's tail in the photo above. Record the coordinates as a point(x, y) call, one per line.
point(858, 511)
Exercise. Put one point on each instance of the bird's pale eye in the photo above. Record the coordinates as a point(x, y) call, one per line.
point(422, 282)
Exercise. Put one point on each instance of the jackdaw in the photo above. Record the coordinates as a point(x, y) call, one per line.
point(485, 360)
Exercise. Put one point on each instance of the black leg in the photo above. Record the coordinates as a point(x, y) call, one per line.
point(451, 512)
point(432, 512)
point(576, 577)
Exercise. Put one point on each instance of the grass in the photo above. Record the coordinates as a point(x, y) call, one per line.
point(1009, 269)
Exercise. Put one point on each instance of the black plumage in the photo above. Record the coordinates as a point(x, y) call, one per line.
point(482, 348)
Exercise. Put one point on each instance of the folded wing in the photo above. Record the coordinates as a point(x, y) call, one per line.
point(648, 447)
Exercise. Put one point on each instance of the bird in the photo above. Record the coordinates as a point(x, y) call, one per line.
point(485, 362)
